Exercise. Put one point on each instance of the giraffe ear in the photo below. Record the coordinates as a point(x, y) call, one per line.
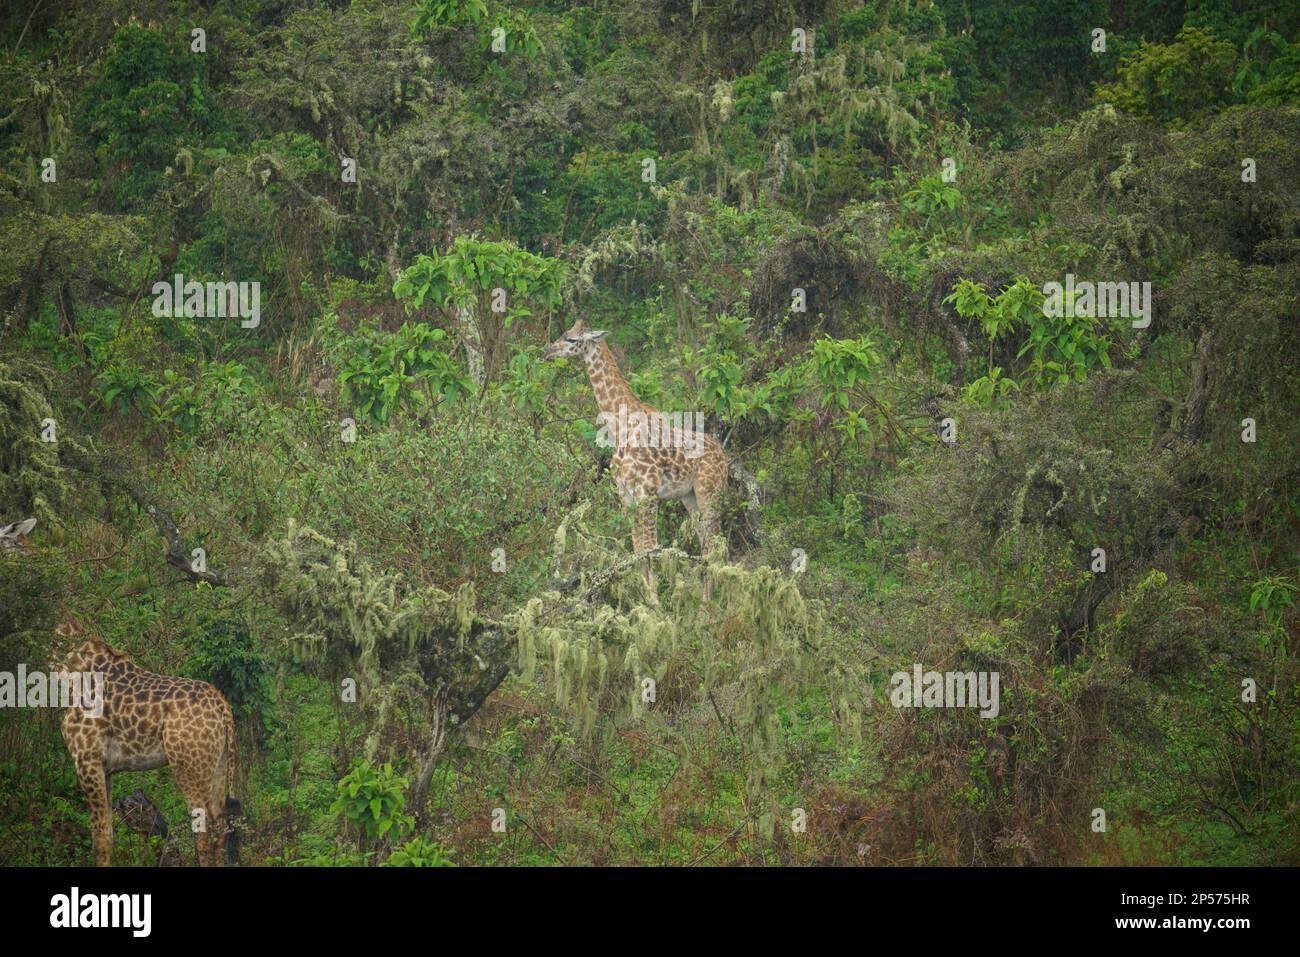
point(595, 335)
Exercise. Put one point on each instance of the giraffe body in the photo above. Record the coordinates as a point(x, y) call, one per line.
point(656, 457)
point(146, 720)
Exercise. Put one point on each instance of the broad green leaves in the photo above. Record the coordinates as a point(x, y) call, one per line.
point(507, 31)
point(1176, 82)
point(475, 267)
point(1060, 349)
point(373, 800)
point(430, 14)
point(405, 369)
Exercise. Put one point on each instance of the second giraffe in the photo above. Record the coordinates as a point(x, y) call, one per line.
point(656, 456)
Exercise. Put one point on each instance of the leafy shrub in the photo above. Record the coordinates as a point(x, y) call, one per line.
point(432, 14)
point(30, 586)
point(480, 280)
point(225, 653)
point(372, 800)
point(147, 102)
point(1004, 791)
point(125, 387)
point(1061, 348)
point(757, 637)
point(719, 366)
point(385, 373)
point(420, 852)
point(608, 190)
point(1175, 82)
point(1158, 628)
point(213, 398)
point(528, 382)
point(31, 483)
point(473, 267)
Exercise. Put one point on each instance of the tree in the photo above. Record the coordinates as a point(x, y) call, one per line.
point(478, 278)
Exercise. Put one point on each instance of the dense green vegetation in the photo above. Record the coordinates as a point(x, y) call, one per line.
point(828, 226)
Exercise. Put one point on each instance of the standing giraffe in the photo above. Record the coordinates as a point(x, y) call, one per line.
point(143, 721)
point(654, 457)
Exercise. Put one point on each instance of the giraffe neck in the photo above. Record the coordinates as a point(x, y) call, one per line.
point(611, 389)
point(99, 657)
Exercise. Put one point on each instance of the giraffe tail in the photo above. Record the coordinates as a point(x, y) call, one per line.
point(233, 808)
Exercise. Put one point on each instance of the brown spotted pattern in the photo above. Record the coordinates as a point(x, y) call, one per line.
point(149, 720)
point(693, 472)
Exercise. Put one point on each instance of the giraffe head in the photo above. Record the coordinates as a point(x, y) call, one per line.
point(15, 534)
point(577, 341)
point(78, 651)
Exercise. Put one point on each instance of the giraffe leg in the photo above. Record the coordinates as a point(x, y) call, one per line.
point(709, 486)
point(94, 778)
point(216, 834)
point(697, 520)
point(202, 820)
point(195, 770)
point(706, 525)
point(217, 807)
point(645, 537)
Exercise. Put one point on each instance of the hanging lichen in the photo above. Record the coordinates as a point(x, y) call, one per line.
point(400, 644)
point(31, 482)
point(611, 653)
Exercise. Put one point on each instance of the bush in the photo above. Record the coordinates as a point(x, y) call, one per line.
point(224, 653)
point(146, 105)
point(420, 852)
point(1159, 629)
point(1177, 82)
point(372, 800)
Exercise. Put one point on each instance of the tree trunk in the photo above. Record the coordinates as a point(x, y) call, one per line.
point(436, 741)
point(473, 343)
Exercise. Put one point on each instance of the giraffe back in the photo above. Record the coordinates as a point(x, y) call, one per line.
point(143, 713)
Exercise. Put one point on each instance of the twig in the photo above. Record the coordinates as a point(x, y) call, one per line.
point(75, 458)
point(22, 35)
point(542, 839)
point(700, 860)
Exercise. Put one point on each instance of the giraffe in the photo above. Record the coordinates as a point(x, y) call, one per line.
point(143, 721)
point(655, 456)
point(15, 535)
